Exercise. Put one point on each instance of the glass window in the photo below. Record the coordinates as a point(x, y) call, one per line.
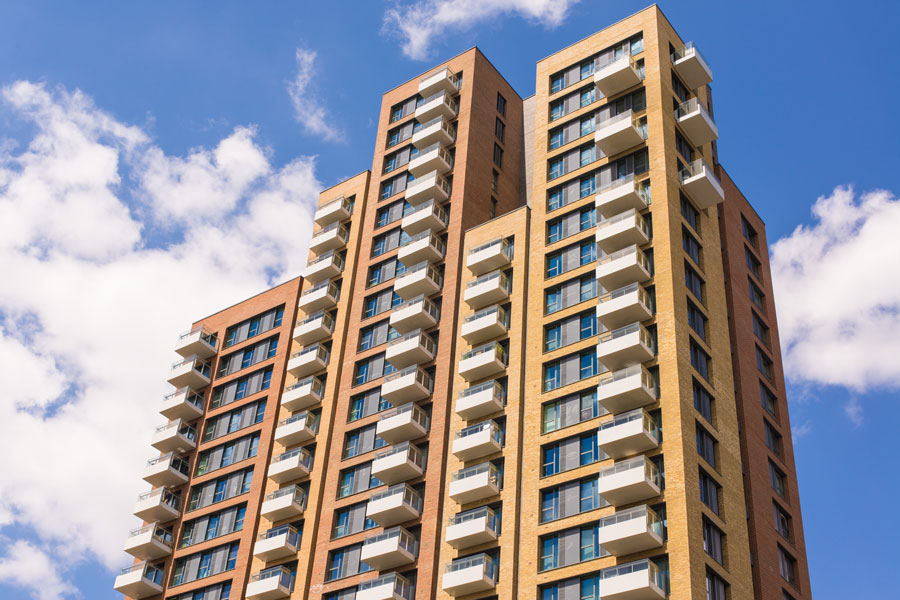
point(554, 201)
point(709, 491)
point(590, 452)
point(589, 406)
point(588, 325)
point(552, 338)
point(554, 300)
point(587, 126)
point(551, 417)
point(773, 439)
point(554, 264)
point(556, 83)
point(588, 253)
point(588, 288)
point(551, 376)
point(587, 69)
point(588, 155)
point(587, 96)
point(586, 186)
point(554, 232)
point(590, 546)
point(549, 553)
point(550, 464)
point(699, 360)
point(588, 365)
point(590, 499)
point(556, 168)
point(702, 401)
point(588, 218)
point(768, 398)
point(557, 110)
point(777, 479)
point(556, 139)
point(549, 505)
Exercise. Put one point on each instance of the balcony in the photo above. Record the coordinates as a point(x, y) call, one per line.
point(158, 506)
point(390, 549)
point(199, 341)
point(425, 246)
point(442, 80)
point(435, 131)
point(424, 279)
point(639, 580)
point(441, 104)
point(402, 424)
point(182, 404)
point(696, 122)
point(392, 586)
point(192, 372)
point(283, 504)
point(314, 328)
point(297, 429)
point(472, 527)
point(333, 211)
point(691, 67)
point(329, 238)
point(626, 389)
point(475, 483)
point(397, 504)
point(140, 581)
point(311, 359)
point(290, 466)
point(270, 584)
point(418, 313)
point(625, 346)
point(477, 441)
point(701, 184)
point(489, 257)
point(326, 266)
point(470, 575)
point(480, 400)
point(617, 75)
point(433, 158)
point(629, 481)
point(618, 133)
point(412, 348)
point(491, 288)
point(485, 324)
point(637, 529)
point(321, 296)
point(166, 471)
point(174, 435)
point(277, 543)
point(628, 434)
point(430, 186)
point(428, 216)
point(624, 229)
point(628, 265)
point(150, 542)
point(398, 463)
point(407, 385)
point(629, 304)
point(621, 194)
point(483, 361)
point(303, 394)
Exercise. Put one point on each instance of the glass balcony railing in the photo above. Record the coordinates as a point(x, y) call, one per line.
point(305, 457)
point(654, 574)
point(165, 497)
point(188, 431)
point(427, 306)
point(299, 496)
point(638, 414)
point(333, 289)
point(418, 415)
point(421, 376)
point(413, 453)
point(433, 273)
point(206, 335)
point(424, 340)
point(406, 540)
point(329, 256)
point(177, 464)
point(643, 296)
point(504, 280)
point(638, 462)
point(312, 420)
point(482, 512)
point(475, 389)
point(321, 352)
point(496, 433)
point(201, 366)
point(490, 568)
point(160, 534)
point(630, 214)
point(687, 50)
point(293, 534)
point(410, 496)
point(285, 576)
point(194, 398)
point(400, 585)
point(478, 469)
point(616, 376)
point(502, 315)
point(317, 387)
point(654, 523)
point(151, 572)
point(489, 347)
point(645, 337)
point(642, 187)
point(506, 247)
point(698, 167)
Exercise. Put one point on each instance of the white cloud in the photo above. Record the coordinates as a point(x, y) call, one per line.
point(418, 23)
point(854, 411)
point(838, 292)
point(27, 566)
point(109, 248)
point(801, 430)
point(308, 108)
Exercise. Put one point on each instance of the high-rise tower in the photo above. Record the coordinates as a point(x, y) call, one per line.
point(524, 362)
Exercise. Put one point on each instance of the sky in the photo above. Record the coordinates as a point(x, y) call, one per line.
point(160, 161)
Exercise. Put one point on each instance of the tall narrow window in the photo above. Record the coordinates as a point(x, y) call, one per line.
point(498, 155)
point(712, 541)
point(778, 479)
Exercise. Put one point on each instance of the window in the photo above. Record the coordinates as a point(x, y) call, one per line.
point(684, 148)
point(690, 245)
point(551, 376)
point(554, 264)
point(782, 521)
point(586, 127)
point(787, 565)
point(587, 364)
point(588, 253)
point(554, 231)
point(396, 113)
point(760, 329)
point(550, 420)
point(712, 541)
point(589, 406)
point(777, 479)
point(697, 320)
point(763, 363)
point(756, 296)
point(556, 139)
point(253, 326)
point(768, 398)
point(550, 462)
point(586, 186)
point(589, 450)
point(549, 505)
point(693, 281)
point(587, 96)
point(587, 326)
point(501, 104)
point(493, 212)
point(552, 337)
point(690, 214)
point(588, 218)
point(709, 491)
point(498, 156)
point(703, 401)
point(706, 446)
point(700, 360)
point(494, 176)
point(588, 155)
point(752, 263)
point(588, 288)
point(554, 199)
point(590, 497)
point(773, 439)
point(549, 552)
point(557, 110)
point(499, 129)
point(555, 168)
point(387, 189)
point(749, 233)
point(715, 587)
point(557, 82)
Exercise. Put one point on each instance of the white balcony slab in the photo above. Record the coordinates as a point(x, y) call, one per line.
point(412, 348)
point(472, 528)
point(327, 266)
point(302, 394)
point(422, 280)
point(475, 483)
point(625, 229)
point(628, 481)
point(390, 549)
point(701, 184)
point(480, 400)
point(392, 586)
point(397, 504)
point(139, 581)
point(442, 80)
point(330, 238)
point(618, 134)
point(333, 211)
point(622, 267)
point(433, 158)
point(182, 404)
point(149, 543)
point(486, 324)
point(199, 341)
point(430, 186)
point(166, 471)
point(297, 429)
point(318, 297)
point(424, 246)
point(408, 422)
point(477, 441)
point(398, 464)
point(620, 195)
point(617, 75)
point(696, 122)
point(193, 373)
point(428, 216)
point(174, 436)
point(481, 362)
point(489, 257)
point(626, 346)
point(277, 543)
point(627, 434)
point(626, 390)
point(691, 67)
point(406, 385)
point(311, 359)
point(418, 313)
point(629, 531)
point(630, 304)
point(491, 288)
point(290, 466)
point(159, 505)
point(313, 329)
point(469, 576)
point(283, 504)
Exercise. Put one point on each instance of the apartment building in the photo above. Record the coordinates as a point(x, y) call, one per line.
point(530, 356)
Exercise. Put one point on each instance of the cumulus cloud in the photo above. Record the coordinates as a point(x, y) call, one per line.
point(308, 108)
point(417, 23)
point(838, 293)
point(109, 247)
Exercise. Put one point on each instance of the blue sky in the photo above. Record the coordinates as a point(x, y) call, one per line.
point(184, 96)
